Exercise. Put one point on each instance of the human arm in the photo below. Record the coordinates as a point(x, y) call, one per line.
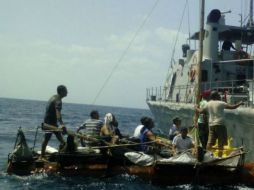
point(200, 110)
point(58, 107)
point(174, 149)
point(104, 131)
point(152, 137)
point(81, 127)
point(232, 46)
point(233, 106)
point(59, 117)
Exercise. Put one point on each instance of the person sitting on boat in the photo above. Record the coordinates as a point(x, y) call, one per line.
point(217, 129)
point(137, 130)
point(110, 131)
point(203, 130)
point(182, 142)
point(147, 136)
point(92, 129)
point(53, 117)
point(175, 129)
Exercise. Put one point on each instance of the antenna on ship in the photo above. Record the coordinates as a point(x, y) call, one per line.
point(250, 22)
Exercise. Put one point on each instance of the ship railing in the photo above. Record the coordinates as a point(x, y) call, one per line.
point(231, 91)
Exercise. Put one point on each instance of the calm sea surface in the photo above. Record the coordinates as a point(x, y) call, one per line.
point(29, 114)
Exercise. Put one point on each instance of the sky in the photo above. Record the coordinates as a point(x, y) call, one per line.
point(107, 52)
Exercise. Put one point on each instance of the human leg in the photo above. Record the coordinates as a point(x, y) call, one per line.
point(222, 138)
point(47, 137)
point(203, 134)
point(60, 139)
point(211, 138)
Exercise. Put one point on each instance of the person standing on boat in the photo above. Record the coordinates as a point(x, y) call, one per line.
point(182, 142)
point(217, 129)
point(203, 130)
point(92, 129)
point(53, 117)
point(175, 129)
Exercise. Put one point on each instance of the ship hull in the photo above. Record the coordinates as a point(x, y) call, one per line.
point(239, 122)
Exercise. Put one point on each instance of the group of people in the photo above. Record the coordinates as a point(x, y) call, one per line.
point(210, 124)
point(181, 142)
point(214, 111)
point(95, 130)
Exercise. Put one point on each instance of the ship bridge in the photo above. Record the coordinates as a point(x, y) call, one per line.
point(243, 34)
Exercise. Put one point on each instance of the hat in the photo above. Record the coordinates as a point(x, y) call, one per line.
point(108, 118)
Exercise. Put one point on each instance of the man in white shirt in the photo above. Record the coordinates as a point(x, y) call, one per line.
point(182, 142)
point(139, 127)
point(217, 129)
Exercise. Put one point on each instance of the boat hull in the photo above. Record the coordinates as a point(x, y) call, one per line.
point(158, 174)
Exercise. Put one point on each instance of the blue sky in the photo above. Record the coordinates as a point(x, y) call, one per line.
point(44, 43)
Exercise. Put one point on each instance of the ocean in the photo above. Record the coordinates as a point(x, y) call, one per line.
point(29, 114)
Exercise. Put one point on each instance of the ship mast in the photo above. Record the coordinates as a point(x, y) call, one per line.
point(200, 56)
point(250, 22)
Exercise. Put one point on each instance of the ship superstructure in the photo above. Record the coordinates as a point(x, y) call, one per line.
point(230, 71)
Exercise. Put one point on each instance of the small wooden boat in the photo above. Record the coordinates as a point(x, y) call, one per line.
point(180, 169)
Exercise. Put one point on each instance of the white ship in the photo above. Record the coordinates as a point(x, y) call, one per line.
point(231, 72)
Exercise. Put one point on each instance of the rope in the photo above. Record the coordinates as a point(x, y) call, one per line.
point(188, 20)
point(172, 61)
point(51, 128)
point(123, 145)
point(124, 52)
point(35, 137)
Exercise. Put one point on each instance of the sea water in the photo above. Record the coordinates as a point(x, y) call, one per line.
point(29, 115)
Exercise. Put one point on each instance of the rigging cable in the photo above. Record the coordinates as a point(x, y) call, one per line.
point(188, 10)
point(178, 31)
point(125, 51)
point(166, 84)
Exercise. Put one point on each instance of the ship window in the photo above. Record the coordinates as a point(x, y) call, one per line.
point(204, 76)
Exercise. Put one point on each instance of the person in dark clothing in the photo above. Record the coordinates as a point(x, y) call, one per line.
point(227, 45)
point(147, 135)
point(70, 145)
point(53, 117)
point(203, 129)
